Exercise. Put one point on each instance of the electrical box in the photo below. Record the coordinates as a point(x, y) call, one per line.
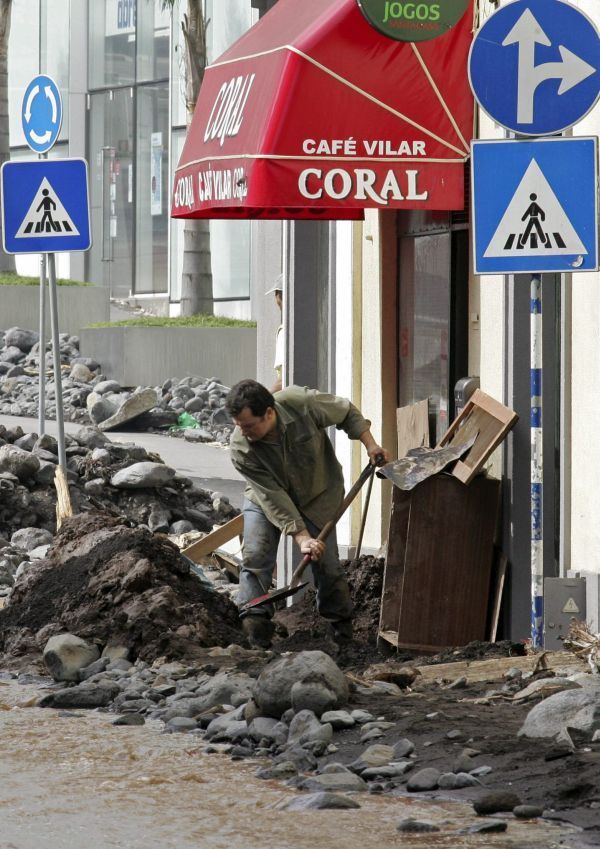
point(463, 389)
point(564, 600)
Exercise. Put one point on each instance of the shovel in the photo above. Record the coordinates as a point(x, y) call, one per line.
point(294, 585)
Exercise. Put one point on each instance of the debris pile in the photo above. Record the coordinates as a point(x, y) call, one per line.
point(194, 406)
point(122, 479)
point(114, 585)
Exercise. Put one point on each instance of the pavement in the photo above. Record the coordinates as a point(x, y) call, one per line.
point(209, 465)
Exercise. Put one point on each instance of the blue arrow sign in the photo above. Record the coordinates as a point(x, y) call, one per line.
point(534, 66)
point(41, 113)
point(535, 205)
point(45, 207)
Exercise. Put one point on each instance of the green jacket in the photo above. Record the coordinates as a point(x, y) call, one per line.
point(300, 472)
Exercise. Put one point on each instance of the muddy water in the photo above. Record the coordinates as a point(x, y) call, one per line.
point(77, 782)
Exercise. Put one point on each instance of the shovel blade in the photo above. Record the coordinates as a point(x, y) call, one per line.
point(269, 598)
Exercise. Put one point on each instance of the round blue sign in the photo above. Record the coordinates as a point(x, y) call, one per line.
point(41, 113)
point(534, 66)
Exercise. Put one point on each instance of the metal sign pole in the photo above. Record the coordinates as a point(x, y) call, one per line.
point(537, 466)
point(42, 350)
point(62, 457)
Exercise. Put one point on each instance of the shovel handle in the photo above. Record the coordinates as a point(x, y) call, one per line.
point(330, 525)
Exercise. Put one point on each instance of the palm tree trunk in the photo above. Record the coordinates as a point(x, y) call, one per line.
point(7, 262)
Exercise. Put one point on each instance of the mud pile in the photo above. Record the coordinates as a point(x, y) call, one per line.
point(111, 584)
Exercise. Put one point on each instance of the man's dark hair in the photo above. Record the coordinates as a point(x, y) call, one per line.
point(249, 393)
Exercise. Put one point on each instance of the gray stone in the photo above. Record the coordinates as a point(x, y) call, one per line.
point(104, 386)
point(30, 538)
point(181, 725)
point(403, 748)
point(130, 719)
point(305, 728)
point(551, 715)
point(81, 373)
point(138, 403)
point(338, 719)
point(374, 756)
point(18, 462)
point(496, 801)
point(262, 727)
point(340, 782)
point(424, 779)
point(93, 669)
point(24, 340)
point(26, 442)
point(229, 726)
point(282, 770)
point(113, 652)
point(488, 827)
point(545, 687)
point(273, 689)
point(143, 476)
point(91, 437)
point(392, 770)
point(66, 654)
point(318, 802)
point(314, 695)
point(181, 527)
point(84, 696)
point(233, 688)
point(361, 716)
point(528, 812)
point(101, 410)
point(413, 826)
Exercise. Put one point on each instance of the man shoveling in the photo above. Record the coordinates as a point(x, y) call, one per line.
point(294, 486)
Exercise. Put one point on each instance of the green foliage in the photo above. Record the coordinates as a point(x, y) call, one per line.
point(198, 320)
point(11, 279)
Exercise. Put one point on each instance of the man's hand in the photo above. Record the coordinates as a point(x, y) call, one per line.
point(309, 545)
point(377, 455)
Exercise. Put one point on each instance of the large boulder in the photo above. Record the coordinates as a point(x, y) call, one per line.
point(21, 463)
point(273, 689)
point(66, 654)
point(28, 539)
point(552, 715)
point(24, 340)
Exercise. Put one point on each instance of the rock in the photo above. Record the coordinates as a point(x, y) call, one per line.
point(24, 340)
point(314, 695)
point(424, 779)
point(93, 669)
point(545, 687)
point(229, 726)
point(403, 748)
point(306, 728)
point(413, 826)
point(105, 386)
point(273, 689)
point(180, 725)
point(91, 437)
point(20, 463)
point(142, 476)
point(374, 756)
point(340, 782)
point(262, 727)
point(550, 716)
point(65, 655)
point(112, 652)
point(84, 696)
point(232, 688)
point(318, 802)
point(101, 410)
point(392, 770)
point(280, 771)
point(528, 812)
point(81, 373)
point(496, 801)
point(489, 827)
point(130, 719)
point(138, 403)
point(338, 719)
point(30, 538)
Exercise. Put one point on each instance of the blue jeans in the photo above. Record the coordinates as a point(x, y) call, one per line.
point(259, 557)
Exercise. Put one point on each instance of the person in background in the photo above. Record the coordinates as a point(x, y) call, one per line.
point(277, 290)
point(294, 486)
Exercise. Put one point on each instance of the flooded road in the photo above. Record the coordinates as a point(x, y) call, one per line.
point(77, 782)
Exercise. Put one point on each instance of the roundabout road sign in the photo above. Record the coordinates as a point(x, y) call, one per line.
point(534, 66)
point(41, 113)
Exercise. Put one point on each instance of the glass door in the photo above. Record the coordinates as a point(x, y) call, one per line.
point(110, 261)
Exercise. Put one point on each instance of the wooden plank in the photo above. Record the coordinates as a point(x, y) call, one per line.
point(215, 539)
point(489, 421)
point(494, 669)
point(393, 575)
point(412, 423)
point(498, 587)
point(447, 563)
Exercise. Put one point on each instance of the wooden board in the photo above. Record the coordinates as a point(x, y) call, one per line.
point(438, 566)
point(486, 418)
point(493, 670)
point(215, 539)
point(412, 423)
point(499, 576)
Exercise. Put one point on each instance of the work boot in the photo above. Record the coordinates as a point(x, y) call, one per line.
point(342, 631)
point(258, 630)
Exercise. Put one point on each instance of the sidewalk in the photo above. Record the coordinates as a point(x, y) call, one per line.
point(208, 465)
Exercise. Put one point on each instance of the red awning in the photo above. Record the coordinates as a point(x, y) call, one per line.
point(315, 114)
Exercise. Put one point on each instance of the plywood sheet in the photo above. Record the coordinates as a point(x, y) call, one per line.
point(489, 421)
point(413, 427)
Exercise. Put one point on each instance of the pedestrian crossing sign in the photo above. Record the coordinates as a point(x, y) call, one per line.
point(45, 206)
point(535, 205)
